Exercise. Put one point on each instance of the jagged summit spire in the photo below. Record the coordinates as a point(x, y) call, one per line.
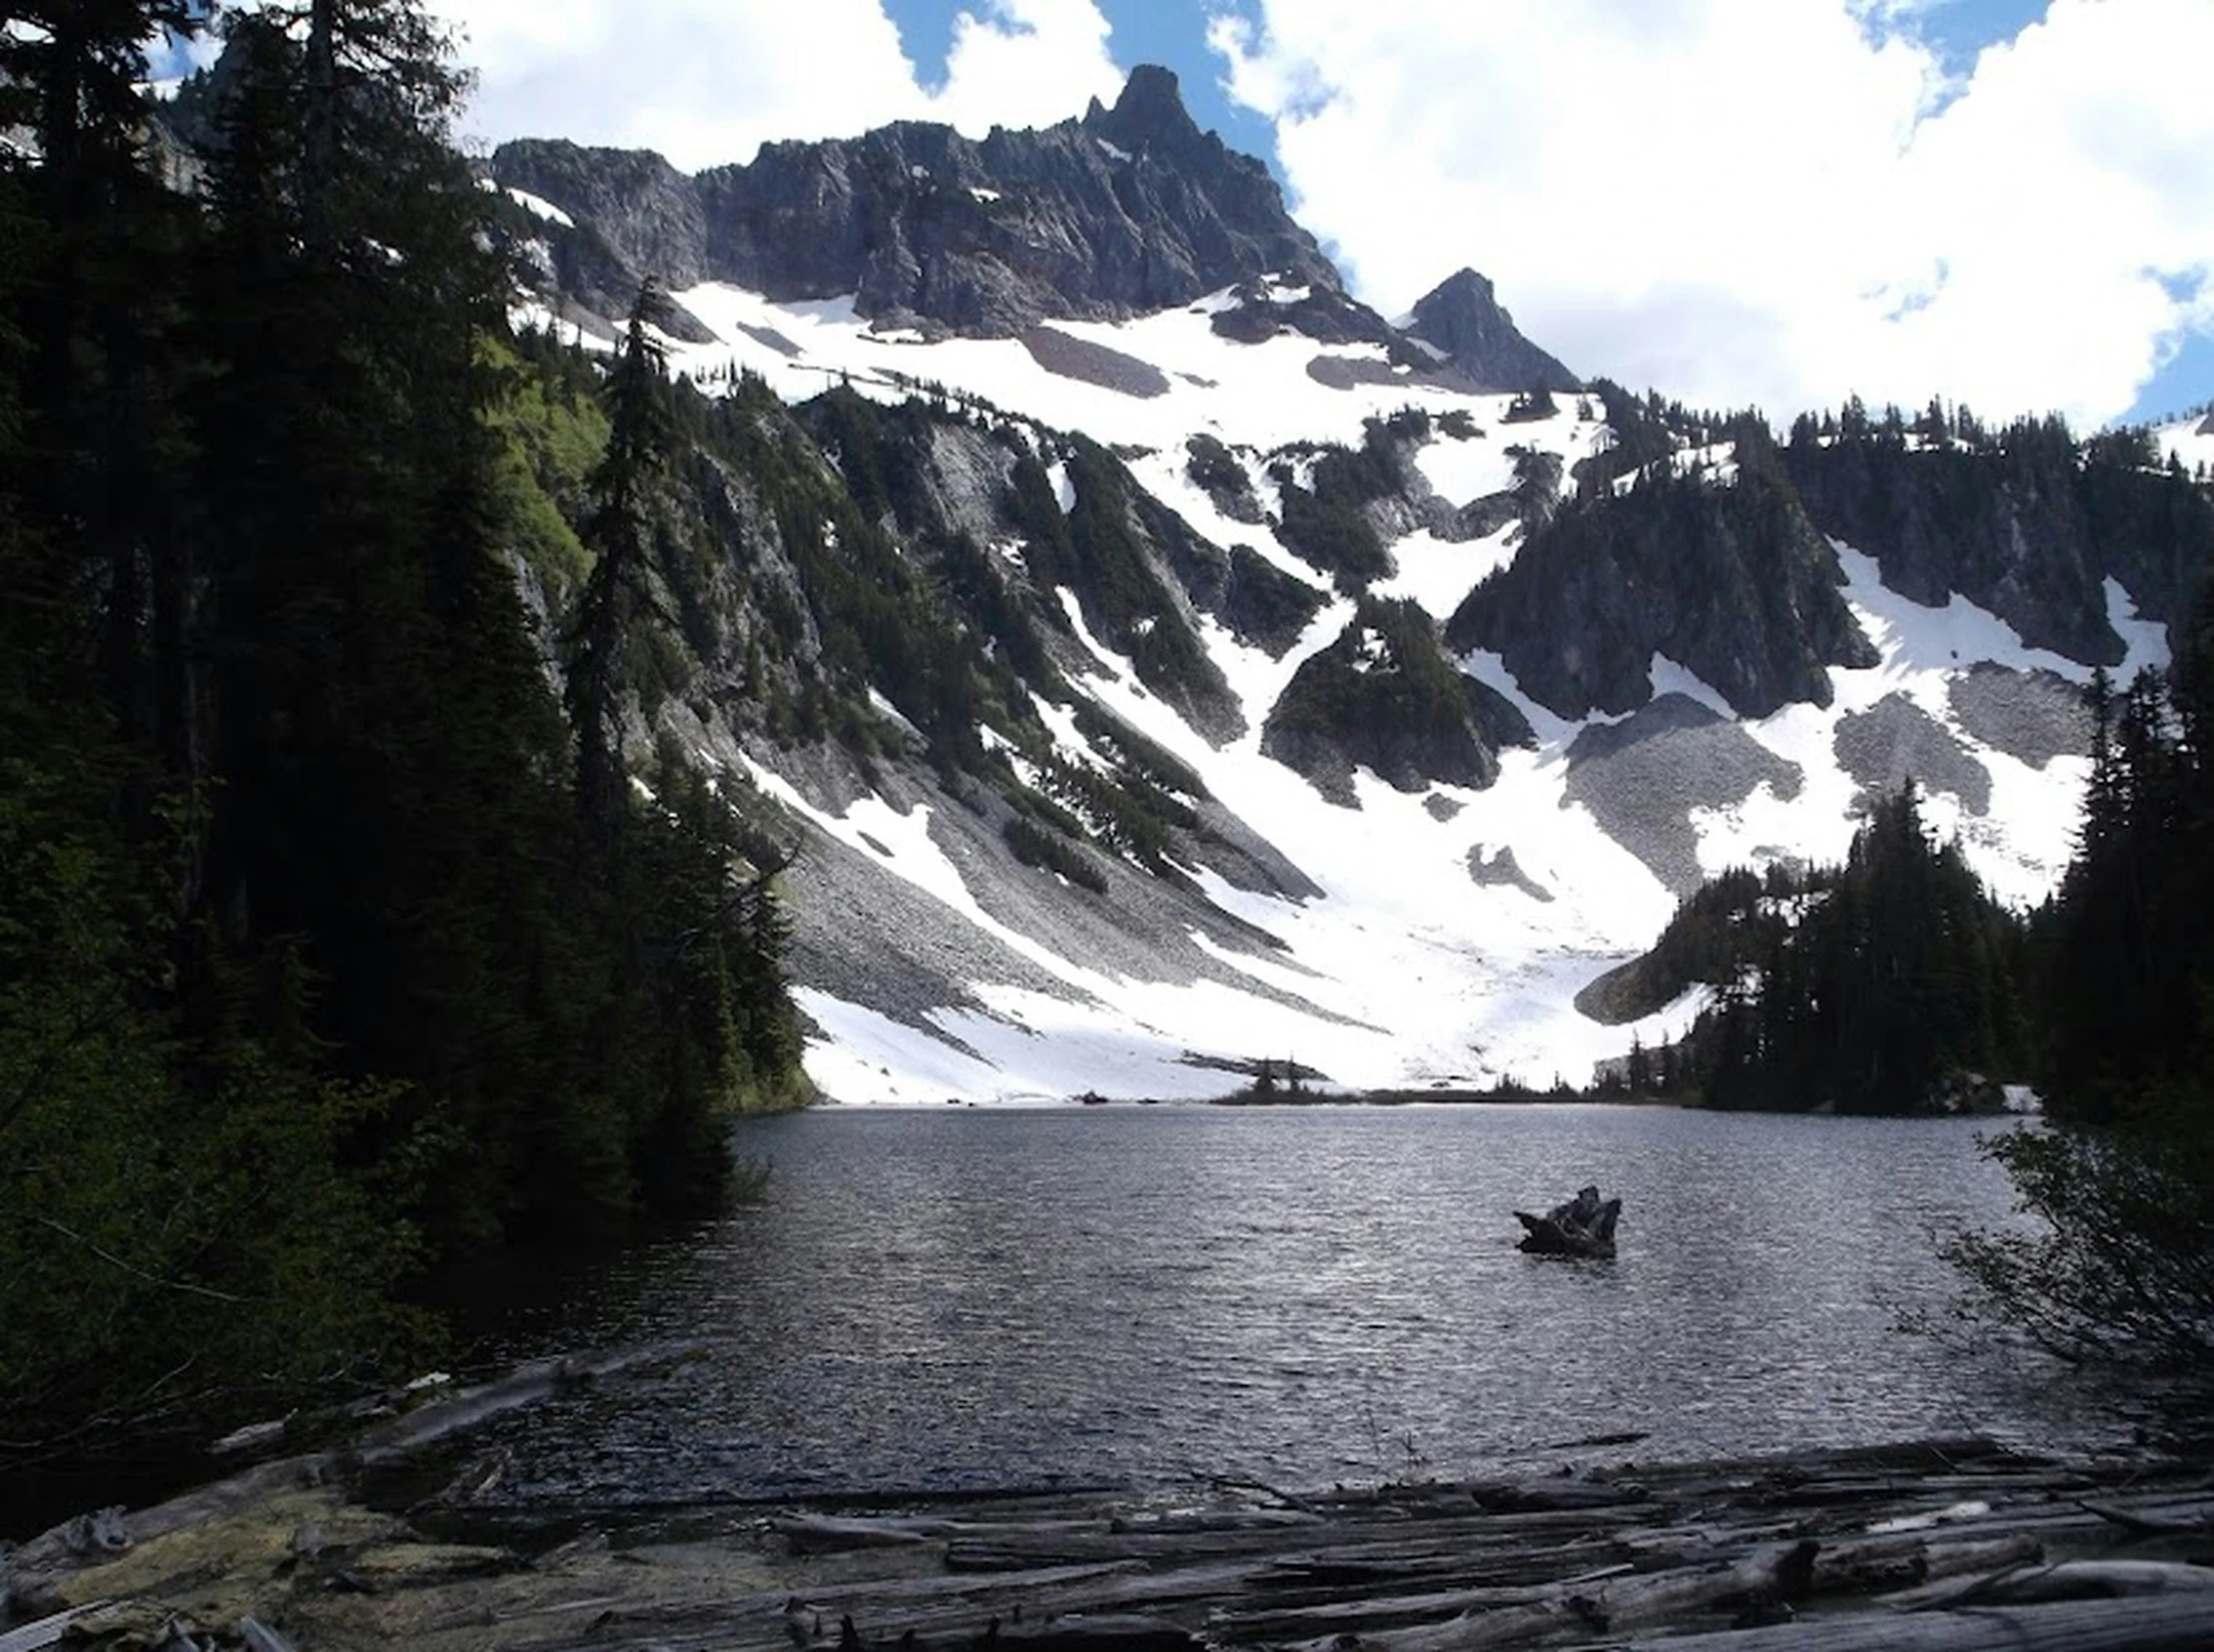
point(1149, 112)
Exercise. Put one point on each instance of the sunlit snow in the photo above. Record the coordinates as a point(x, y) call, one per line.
point(1405, 969)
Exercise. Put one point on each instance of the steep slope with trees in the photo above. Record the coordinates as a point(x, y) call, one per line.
point(2123, 1270)
point(317, 962)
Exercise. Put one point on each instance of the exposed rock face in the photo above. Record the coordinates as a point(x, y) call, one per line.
point(1463, 317)
point(1499, 870)
point(2027, 531)
point(1732, 582)
point(1641, 779)
point(1129, 210)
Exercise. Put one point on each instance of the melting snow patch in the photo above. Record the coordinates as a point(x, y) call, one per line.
point(542, 208)
point(1437, 574)
point(1668, 677)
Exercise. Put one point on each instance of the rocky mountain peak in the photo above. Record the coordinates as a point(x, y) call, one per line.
point(1128, 210)
point(1150, 113)
point(1463, 317)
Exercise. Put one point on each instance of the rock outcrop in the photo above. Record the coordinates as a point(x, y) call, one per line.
point(1732, 582)
point(1381, 698)
point(1463, 317)
point(1129, 210)
point(2020, 526)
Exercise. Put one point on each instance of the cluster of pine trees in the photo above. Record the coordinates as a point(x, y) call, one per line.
point(1878, 984)
point(2124, 992)
point(1872, 987)
point(329, 947)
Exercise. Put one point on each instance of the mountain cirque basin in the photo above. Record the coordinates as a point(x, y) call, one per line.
point(1318, 707)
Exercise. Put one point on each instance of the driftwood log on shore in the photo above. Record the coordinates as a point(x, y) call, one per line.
point(1948, 1545)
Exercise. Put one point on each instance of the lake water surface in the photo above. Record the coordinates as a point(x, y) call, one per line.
point(1148, 1297)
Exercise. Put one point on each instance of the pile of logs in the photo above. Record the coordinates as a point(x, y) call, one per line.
point(1946, 1546)
point(1941, 1545)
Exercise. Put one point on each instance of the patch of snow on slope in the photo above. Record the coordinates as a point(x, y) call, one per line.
point(1668, 677)
point(1257, 396)
point(2189, 441)
point(860, 1055)
point(1553, 732)
point(1162, 474)
point(1257, 681)
point(2146, 640)
point(1463, 470)
point(1438, 573)
point(540, 206)
point(2020, 844)
point(1432, 974)
point(1408, 969)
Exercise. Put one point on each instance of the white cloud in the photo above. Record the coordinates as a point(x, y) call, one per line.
point(707, 82)
point(1764, 200)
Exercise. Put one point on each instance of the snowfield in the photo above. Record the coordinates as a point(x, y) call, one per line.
point(1426, 956)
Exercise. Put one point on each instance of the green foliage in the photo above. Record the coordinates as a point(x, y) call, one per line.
point(1097, 550)
point(2119, 1267)
point(1214, 468)
point(178, 1222)
point(2126, 951)
point(1871, 988)
point(1325, 523)
point(1530, 406)
point(1382, 695)
point(1715, 931)
point(1732, 581)
point(312, 970)
point(2024, 519)
point(552, 432)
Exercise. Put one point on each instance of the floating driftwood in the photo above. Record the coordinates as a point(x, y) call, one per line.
point(1952, 1546)
point(1583, 1226)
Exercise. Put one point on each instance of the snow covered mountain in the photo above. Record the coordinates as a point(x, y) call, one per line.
point(1169, 665)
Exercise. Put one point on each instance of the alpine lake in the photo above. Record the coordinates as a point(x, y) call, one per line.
point(1153, 1297)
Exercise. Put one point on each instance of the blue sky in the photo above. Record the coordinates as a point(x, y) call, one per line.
point(1954, 32)
point(1173, 32)
point(1775, 203)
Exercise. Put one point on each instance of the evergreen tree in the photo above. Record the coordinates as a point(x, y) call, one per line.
point(616, 531)
point(303, 943)
point(2123, 1266)
point(1897, 977)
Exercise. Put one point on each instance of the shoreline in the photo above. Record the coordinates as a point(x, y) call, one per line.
point(398, 1539)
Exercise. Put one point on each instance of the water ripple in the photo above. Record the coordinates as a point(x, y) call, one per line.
point(1139, 1296)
